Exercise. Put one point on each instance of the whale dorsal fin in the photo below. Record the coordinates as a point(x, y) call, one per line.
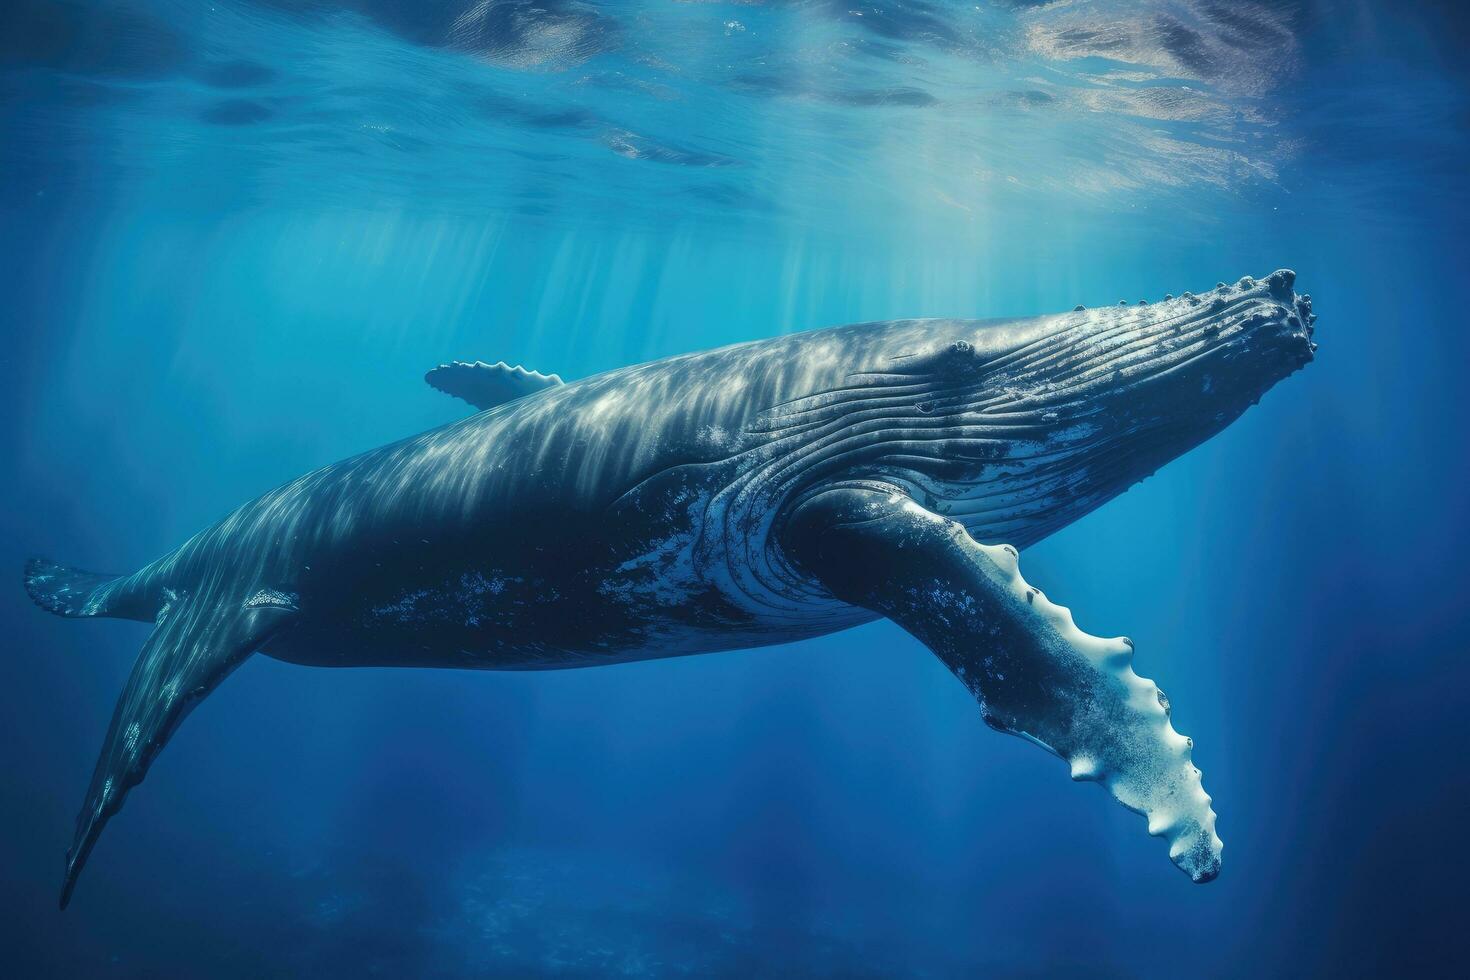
point(487, 385)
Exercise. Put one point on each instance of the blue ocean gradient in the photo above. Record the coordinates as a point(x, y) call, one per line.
point(233, 237)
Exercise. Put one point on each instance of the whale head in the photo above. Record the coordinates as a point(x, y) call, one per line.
point(1063, 413)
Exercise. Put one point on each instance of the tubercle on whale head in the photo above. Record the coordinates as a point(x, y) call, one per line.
point(1262, 327)
point(1257, 330)
point(1041, 421)
point(1263, 319)
point(1240, 341)
point(1155, 379)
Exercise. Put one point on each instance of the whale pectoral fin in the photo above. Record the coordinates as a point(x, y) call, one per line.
point(1033, 671)
point(487, 385)
point(196, 643)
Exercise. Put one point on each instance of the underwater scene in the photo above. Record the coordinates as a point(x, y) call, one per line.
point(371, 335)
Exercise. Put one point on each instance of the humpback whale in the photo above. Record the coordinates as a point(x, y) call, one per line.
point(757, 494)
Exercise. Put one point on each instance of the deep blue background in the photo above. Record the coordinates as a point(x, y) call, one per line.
point(180, 334)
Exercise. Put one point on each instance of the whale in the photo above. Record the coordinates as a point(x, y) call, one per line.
point(757, 494)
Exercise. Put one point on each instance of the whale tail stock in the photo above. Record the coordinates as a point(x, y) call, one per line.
point(198, 638)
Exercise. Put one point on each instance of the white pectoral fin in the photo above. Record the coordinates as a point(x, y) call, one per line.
point(1033, 671)
point(1115, 728)
point(487, 385)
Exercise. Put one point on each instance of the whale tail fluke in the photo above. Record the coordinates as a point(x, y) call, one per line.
point(199, 636)
point(198, 639)
point(68, 591)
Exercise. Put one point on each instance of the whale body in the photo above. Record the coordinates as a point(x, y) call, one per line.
point(756, 494)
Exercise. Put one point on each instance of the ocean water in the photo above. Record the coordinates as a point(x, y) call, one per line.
point(233, 236)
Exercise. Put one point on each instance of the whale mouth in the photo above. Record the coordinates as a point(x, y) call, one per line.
point(1204, 359)
point(1098, 399)
point(1287, 316)
point(1253, 332)
point(1204, 356)
point(1176, 356)
point(1266, 337)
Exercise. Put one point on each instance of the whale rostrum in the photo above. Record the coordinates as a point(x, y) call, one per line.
point(757, 494)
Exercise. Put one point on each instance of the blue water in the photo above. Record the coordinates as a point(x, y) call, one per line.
point(233, 236)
